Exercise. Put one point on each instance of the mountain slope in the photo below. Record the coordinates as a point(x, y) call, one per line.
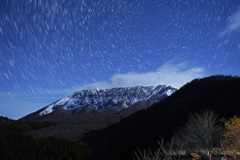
point(144, 128)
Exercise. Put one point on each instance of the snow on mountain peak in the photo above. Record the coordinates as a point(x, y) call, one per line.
point(105, 98)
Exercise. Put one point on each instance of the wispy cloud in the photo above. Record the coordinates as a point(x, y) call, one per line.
point(233, 24)
point(168, 74)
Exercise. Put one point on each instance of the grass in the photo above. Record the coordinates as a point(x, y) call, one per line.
point(168, 153)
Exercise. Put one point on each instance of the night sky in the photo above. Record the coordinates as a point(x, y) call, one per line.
point(51, 48)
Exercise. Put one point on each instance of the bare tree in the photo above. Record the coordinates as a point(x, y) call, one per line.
point(202, 131)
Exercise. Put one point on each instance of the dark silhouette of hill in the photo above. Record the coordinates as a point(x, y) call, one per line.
point(15, 145)
point(144, 128)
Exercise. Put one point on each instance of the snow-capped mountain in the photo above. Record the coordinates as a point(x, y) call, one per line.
point(105, 99)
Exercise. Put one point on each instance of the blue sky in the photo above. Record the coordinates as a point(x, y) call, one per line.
point(51, 48)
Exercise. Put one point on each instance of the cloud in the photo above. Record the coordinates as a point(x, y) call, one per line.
point(233, 24)
point(174, 75)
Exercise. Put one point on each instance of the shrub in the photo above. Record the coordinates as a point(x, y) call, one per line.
point(232, 139)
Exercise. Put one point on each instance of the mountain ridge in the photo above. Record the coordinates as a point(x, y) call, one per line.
point(118, 98)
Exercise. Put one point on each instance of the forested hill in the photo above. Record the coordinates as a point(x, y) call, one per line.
point(144, 128)
point(15, 145)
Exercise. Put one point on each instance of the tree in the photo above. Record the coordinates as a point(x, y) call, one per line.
point(202, 130)
point(232, 139)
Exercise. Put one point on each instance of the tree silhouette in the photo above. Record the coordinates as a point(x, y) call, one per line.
point(202, 130)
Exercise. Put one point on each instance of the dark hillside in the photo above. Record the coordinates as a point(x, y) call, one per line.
point(144, 128)
point(15, 145)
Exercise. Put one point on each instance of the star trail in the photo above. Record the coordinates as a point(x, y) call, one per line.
point(51, 48)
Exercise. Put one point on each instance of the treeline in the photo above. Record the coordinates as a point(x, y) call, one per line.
point(15, 145)
point(9, 126)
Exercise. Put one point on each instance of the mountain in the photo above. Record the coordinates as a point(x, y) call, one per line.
point(88, 110)
point(145, 128)
point(87, 101)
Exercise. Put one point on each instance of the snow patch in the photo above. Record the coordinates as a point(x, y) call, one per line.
point(169, 92)
point(47, 110)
